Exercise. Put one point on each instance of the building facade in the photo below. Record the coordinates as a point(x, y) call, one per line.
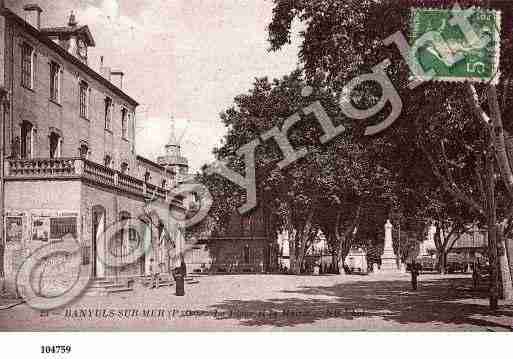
point(247, 246)
point(70, 166)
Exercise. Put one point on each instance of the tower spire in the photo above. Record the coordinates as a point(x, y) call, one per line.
point(173, 146)
point(173, 157)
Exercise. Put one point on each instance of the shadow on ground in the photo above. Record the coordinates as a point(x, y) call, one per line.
point(437, 301)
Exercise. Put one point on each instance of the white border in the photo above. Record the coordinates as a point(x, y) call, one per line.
point(275, 345)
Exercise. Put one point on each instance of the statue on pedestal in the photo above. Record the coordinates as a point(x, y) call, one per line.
point(388, 258)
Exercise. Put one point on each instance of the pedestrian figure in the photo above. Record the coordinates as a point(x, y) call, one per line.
point(475, 275)
point(154, 274)
point(414, 274)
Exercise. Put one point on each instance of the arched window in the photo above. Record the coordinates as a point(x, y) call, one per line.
point(55, 85)
point(83, 150)
point(124, 124)
point(27, 65)
point(108, 113)
point(55, 144)
point(84, 99)
point(107, 161)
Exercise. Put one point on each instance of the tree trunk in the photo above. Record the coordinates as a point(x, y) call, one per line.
point(345, 239)
point(298, 241)
point(342, 259)
point(492, 229)
point(334, 262)
point(440, 248)
point(442, 261)
point(508, 244)
point(2, 270)
point(294, 266)
point(507, 288)
point(494, 275)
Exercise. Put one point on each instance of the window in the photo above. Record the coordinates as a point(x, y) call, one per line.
point(27, 140)
point(61, 226)
point(107, 161)
point(84, 89)
point(55, 70)
point(83, 150)
point(55, 145)
point(27, 64)
point(163, 183)
point(147, 176)
point(108, 113)
point(124, 125)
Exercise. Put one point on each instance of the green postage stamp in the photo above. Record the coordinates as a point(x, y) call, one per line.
point(455, 44)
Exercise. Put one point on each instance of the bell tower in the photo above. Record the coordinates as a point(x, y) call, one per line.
point(173, 158)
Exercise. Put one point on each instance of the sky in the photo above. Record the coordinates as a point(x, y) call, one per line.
point(183, 59)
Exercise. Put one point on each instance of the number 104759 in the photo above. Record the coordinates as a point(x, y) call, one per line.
point(55, 349)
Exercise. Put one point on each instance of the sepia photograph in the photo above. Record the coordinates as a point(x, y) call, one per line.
point(255, 166)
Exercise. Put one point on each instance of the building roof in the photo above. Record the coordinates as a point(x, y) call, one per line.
point(154, 164)
point(476, 239)
point(70, 30)
point(248, 225)
point(66, 55)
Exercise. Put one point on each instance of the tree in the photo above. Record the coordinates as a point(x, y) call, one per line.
point(326, 188)
point(343, 39)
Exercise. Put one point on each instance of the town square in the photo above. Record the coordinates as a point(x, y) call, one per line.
point(327, 165)
point(279, 302)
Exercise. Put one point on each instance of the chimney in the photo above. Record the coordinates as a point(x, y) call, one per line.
point(33, 15)
point(104, 71)
point(119, 75)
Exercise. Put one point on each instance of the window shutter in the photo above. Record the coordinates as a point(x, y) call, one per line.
point(34, 69)
point(89, 102)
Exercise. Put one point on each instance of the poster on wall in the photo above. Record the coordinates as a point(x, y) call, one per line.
point(13, 229)
point(53, 228)
point(40, 228)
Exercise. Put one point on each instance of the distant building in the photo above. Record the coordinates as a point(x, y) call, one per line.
point(476, 241)
point(247, 246)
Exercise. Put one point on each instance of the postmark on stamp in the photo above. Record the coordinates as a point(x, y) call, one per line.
point(444, 50)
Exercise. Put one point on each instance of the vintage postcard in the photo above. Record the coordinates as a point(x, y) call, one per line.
point(227, 165)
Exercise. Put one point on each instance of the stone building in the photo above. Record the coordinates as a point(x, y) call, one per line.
point(69, 146)
point(247, 246)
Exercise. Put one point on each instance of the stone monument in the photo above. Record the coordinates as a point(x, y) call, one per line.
point(388, 258)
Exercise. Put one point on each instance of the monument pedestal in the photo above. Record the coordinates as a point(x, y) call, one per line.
point(389, 263)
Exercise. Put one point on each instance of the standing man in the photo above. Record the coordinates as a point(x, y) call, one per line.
point(414, 274)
